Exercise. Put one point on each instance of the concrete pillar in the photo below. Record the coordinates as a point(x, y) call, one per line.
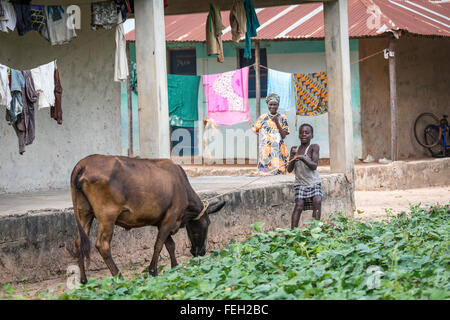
point(340, 124)
point(154, 134)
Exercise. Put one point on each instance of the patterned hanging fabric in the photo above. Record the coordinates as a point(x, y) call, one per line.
point(311, 93)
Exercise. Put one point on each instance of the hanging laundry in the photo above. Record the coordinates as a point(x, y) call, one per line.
point(23, 15)
point(121, 62)
point(252, 25)
point(311, 93)
point(133, 78)
point(56, 110)
point(227, 96)
point(238, 20)
point(214, 29)
point(2, 11)
point(280, 83)
point(17, 83)
point(183, 99)
point(25, 125)
point(8, 21)
point(5, 91)
point(44, 83)
point(58, 29)
point(103, 15)
point(38, 20)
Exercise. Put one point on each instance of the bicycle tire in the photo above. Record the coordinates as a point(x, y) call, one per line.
point(425, 145)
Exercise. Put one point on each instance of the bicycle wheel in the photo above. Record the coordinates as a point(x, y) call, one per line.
point(427, 125)
point(431, 135)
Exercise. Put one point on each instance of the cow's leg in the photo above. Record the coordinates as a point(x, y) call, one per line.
point(161, 238)
point(170, 246)
point(86, 218)
point(103, 245)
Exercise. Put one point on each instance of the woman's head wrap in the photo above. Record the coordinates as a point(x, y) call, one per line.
point(273, 97)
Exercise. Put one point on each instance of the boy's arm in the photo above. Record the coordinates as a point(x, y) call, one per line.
point(312, 164)
point(291, 164)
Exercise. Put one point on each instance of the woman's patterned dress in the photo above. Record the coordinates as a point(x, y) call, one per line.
point(273, 150)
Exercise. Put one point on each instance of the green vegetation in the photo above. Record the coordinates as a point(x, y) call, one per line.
point(405, 257)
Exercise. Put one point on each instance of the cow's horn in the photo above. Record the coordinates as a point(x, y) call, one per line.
point(205, 207)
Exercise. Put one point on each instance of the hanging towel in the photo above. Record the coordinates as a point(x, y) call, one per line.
point(58, 29)
point(44, 83)
point(238, 20)
point(5, 92)
point(280, 83)
point(183, 99)
point(17, 84)
point(227, 96)
point(121, 63)
point(311, 93)
point(214, 29)
point(9, 20)
point(29, 98)
point(252, 25)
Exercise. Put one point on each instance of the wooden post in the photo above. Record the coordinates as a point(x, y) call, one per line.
point(393, 100)
point(130, 105)
point(340, 123)
point(258, 91)
point(154, 133)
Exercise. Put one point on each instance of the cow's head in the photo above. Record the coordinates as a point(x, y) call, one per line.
point(197, 229)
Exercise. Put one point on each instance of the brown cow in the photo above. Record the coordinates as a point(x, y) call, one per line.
point(134, 193)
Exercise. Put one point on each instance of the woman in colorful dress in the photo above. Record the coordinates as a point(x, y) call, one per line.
point(272, 128)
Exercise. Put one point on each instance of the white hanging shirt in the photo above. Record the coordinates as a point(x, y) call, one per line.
point(10, 19)
point(44, 83)
point(121, 62)
point(5, 92)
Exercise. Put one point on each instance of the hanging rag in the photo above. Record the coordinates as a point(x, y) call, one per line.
point(9, 20)
point(104, 15)
point(183, 99)
point(311, 93)
point(214, 29)
point(17, 84)
point(121, 62)
point(59, 30)
point(23, 15)
point(56, 110)
point(227, 96)
point(238, 20)
point(252, 25)
point(133, 78)
point(280, 83)
point(27, 117)
point(38, 20)
point(2, 11)
point(44, 83)
point(5, 91)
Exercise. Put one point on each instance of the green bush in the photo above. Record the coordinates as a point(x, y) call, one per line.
point(404, 257)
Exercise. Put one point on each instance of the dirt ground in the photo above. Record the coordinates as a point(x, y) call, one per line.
point(369, 204)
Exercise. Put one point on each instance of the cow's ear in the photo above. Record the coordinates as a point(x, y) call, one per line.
point(215, 207)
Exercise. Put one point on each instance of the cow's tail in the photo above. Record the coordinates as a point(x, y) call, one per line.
point(75, 188)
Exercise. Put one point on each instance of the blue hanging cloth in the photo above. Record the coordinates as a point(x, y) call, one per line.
point(252, 25)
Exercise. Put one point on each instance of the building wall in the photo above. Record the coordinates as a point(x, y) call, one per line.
point(287, 56)
point(423, 82)
point(90, 103)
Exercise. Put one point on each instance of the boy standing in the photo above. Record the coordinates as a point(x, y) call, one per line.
point(308, 186)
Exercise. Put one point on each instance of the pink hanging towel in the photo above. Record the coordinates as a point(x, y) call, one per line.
point(227, 96)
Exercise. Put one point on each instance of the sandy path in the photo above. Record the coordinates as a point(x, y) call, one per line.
point(372, 204)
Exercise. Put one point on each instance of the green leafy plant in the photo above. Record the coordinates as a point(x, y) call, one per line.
point(405, 257)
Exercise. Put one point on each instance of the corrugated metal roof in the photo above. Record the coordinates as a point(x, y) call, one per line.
point(367, 18)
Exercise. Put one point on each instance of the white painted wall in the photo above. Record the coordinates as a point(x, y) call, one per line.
point(91, 108)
